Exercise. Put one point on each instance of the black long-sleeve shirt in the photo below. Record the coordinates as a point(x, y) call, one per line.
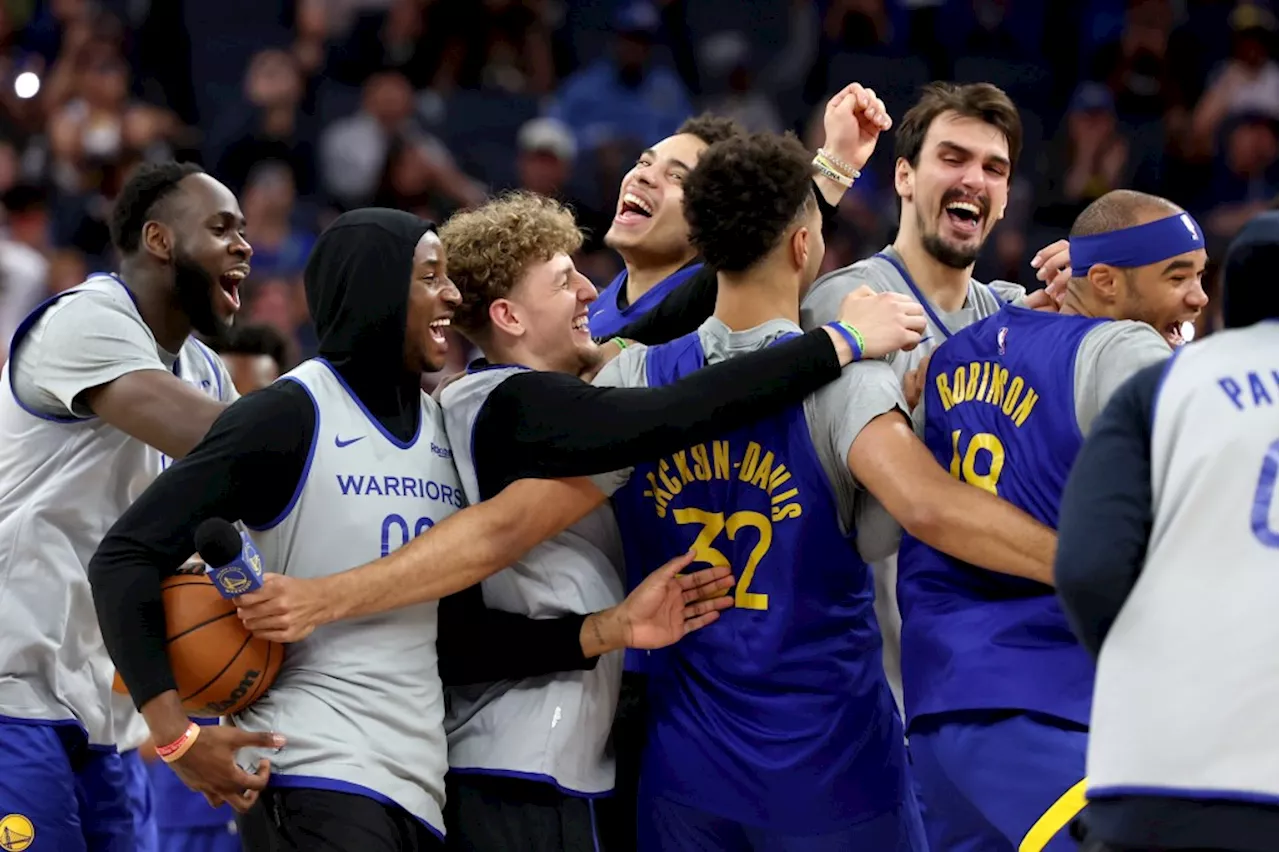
point(534, 425)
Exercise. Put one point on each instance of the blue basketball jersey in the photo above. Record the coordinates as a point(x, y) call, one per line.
point(778, 715)
point(607, 318)
point(1001, 415)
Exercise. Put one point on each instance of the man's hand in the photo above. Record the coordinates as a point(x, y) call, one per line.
point(209, 766)
point(663, 608)
point(853, 122)
point(913, 383)
point(888, 322)
point(285, 609)
point(1053, 266)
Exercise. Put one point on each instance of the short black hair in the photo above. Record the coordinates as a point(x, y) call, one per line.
point(24, 198)
point(1119, 209)
point(743, 195)
point(255, 339)
point(710, 128)
point(136, 204)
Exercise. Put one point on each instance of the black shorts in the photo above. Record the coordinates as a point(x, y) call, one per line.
point(299, 819)
point(487, 813)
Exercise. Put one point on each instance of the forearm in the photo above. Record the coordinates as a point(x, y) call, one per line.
point(831, 192)
point(480, 645)
point(983, 530)
point(569, 429)
point(461, 550)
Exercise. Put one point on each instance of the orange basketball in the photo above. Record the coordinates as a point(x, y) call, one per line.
point(219, 666)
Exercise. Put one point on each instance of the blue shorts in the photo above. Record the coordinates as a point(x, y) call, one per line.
point(668, 826)
point(987, 780)
point(141, 801)
point(199, 839)
point(59, 792)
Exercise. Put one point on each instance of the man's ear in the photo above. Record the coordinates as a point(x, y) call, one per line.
point(505, 317)
point(157, 240)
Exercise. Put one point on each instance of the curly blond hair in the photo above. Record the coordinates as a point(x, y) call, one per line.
point(489, 249)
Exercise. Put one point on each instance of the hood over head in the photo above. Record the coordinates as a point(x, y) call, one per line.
point(357, 283)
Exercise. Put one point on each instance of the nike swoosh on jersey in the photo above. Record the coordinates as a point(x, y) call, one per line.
point(338, 442)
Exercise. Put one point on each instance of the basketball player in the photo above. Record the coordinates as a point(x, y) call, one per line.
point(103, 387)
point(808, 749)
point(255, 357)
point(293, 462)
point(1167, 573)
point(649, 230)
point(955, 152)
point(997, 689)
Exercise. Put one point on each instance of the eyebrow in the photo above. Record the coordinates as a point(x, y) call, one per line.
point(227, 215)
point(960, 149)
point(1177, 266)
point(679, 164)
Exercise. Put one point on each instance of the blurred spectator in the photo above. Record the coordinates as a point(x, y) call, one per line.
point(1090, 159)
point(281, 303)
point(624, 99)
point(356, 152)
point(496, 44)
point(67, 268)
point(24, 269)
point(279, 246)
point(406, 36)
point(544, 164)
point(1136, 66)
point(1246, 83)
point(269, 124)
point(255, 355)
point(1245, 177)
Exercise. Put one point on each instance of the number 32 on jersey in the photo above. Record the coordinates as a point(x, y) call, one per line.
point(978, 461)
point(715, 523)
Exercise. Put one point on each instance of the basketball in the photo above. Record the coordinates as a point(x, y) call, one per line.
point(219, 666)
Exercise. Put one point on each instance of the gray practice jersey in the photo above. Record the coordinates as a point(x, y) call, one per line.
point(1187, 693)
point(552, 728)
point(879, 534)
point(65, 477)
point(835, 415)
point(360, 701)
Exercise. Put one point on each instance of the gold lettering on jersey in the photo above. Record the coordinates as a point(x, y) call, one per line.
point(988, 383)
point(716, 460)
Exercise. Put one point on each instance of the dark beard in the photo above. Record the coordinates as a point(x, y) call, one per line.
point(949, 255)
point(193, 287)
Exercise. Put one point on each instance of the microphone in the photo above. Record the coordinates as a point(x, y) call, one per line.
point(234, 565)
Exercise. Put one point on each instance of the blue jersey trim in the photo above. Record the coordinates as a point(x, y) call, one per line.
point(306, 468)
point(311, 782)
point(392, 438)
point(1123, 791)
point(208, 357)
point(537, 777)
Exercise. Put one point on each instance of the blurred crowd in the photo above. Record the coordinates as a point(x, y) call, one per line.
point(310, 107)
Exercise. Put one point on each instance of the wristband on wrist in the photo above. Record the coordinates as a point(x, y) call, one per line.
point(622, 344)
point(839, 164)
point(176, 749)
point(852, 335)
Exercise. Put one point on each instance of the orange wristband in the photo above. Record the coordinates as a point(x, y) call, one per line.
point(176, 749)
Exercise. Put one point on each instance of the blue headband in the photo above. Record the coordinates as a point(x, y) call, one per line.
point(1137, 246)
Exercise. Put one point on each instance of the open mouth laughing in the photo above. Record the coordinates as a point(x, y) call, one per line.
point(965, 216)
point(633, 208)
point(229, 282)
